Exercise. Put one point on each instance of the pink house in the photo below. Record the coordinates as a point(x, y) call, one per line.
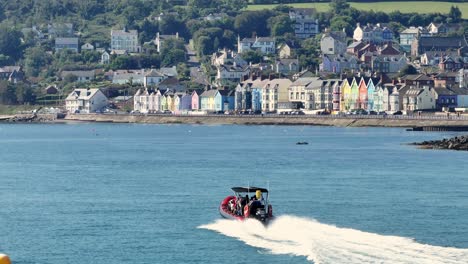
point(196, 99)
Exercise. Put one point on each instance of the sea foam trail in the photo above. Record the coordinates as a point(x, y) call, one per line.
point(321, 243)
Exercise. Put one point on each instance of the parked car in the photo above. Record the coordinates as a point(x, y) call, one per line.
point(398, 113)
point(167, 112)
point(359, 111)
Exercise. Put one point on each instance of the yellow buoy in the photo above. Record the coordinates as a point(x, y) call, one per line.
point(4, 259)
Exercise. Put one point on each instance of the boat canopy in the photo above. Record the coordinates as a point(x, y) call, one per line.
point(248, 189)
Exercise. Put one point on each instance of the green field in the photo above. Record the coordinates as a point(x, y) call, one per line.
point(404, 7)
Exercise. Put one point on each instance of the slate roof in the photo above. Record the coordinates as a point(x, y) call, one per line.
point(209, 93)
point(82, 94)
point(453, 42)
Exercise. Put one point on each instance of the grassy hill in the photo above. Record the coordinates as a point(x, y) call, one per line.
point(404, 7)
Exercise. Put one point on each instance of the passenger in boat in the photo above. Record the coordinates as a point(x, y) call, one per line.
point(240, 201)
point(231, 206)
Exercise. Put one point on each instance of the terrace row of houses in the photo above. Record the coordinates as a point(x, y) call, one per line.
point(411, 93)
point(157, 101)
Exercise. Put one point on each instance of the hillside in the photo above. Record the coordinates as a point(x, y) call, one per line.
point(422, 7)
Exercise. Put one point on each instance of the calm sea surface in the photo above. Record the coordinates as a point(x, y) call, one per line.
point(109, 193)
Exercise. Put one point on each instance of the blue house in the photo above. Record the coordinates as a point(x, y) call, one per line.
point(224, 100)
point(186, 102)
point(257, 99)
point(445, 98)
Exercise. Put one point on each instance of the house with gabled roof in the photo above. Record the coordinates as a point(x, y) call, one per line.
point(224, 100)
point(266, 45)
point(85, 101)
point(12, 74)
point(333, 42)
point(227, 57)
point(196, 99)
point(339, 63)
point(418, 98)
point(287, 49)
point(207, 100)
point(372, 33)
point(153, 78)
point(231, 73)
point(305, 22)
point(408, 35)
point(285, 66)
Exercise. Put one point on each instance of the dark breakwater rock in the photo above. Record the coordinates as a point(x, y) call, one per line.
point(455, 143)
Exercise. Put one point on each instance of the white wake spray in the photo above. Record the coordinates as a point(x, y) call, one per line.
point(322, 244)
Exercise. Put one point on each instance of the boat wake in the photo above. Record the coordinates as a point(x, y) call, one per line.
point(321, 243)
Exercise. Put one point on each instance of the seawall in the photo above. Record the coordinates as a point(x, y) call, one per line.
point(345, 121)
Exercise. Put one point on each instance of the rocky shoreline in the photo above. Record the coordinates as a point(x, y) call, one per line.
point(29, 118)
point(455, 143)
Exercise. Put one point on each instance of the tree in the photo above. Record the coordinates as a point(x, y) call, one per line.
point(250, 22)
point(24, 94)
point(339, 22)
point(455, 14)
point(280, 25)
point(339, 6)
point(408, 69)
point(253, 56)
point(35, 59)
point(7, 93)
point(10, 42)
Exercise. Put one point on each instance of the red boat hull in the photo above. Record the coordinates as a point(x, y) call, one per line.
point(228, 214)
point(224, 209)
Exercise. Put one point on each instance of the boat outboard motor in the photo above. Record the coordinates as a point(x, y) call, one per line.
point(261, 214)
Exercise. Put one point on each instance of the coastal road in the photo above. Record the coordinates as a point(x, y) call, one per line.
point(196, 73)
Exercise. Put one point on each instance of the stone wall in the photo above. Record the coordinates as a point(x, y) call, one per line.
point(267, 120)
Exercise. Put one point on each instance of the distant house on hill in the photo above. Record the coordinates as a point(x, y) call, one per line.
point(66, 43)
point(305, 22)
point(159, 40)
point(12, 74)
point(81, 76)
point(424, 44)
point(333, 42)
point(125, 40)
point(266, 45)
point(373, 33)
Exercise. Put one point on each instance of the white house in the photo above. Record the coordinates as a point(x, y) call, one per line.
point(224, 56)
point(85, 101)
point(333, 42)
point(231, 72)
point(417, 98)
point(105, 58)
point(274, 91)
point(87, 46)
point(147, 102)
point(125, 40)
point(266, 45)
point(305, 23)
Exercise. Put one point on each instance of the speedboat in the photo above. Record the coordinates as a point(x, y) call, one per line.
point(302, 143)
point(241, 207)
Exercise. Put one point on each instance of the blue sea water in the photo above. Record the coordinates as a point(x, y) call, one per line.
point(129, 193)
